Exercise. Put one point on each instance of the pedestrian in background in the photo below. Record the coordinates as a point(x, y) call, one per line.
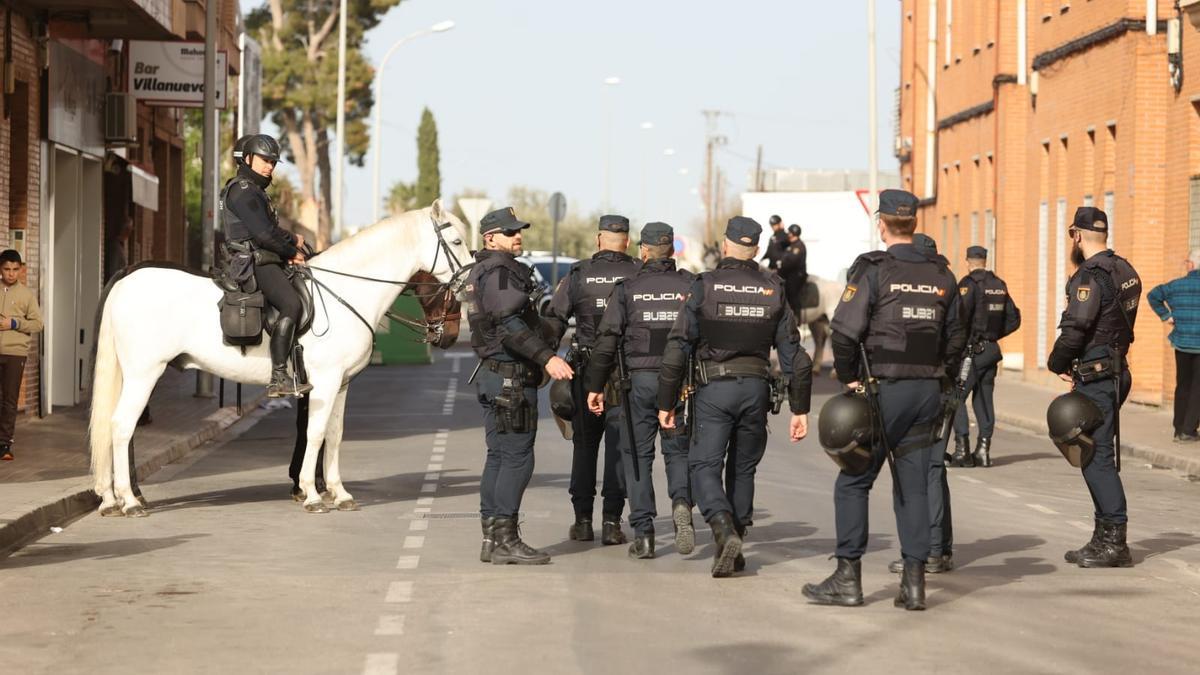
point(1177, 303)
point(777, 244)
point(20, 317)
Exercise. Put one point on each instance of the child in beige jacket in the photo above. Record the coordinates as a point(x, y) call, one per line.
point(20, 317)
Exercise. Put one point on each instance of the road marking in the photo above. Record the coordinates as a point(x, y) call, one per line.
point(971, 480)
point(422, 509)
point(1043, 509)
point(418, 525)
point(439, 444)
point(400, 591)
point(432, 487)
point(408, 562)
point(456, 366)
point(433, 476)
point(414, 542)
point(434, 467)
point(425, 501)
point(1004, 493)
point(391, 624)
point(437, 457)
point(1079, 525)
point(382, 664)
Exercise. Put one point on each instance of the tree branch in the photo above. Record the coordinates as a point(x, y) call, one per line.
point(318, 38)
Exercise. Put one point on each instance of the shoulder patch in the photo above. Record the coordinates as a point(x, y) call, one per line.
point(1083, 293)
point(848, 294)
point(962, 290)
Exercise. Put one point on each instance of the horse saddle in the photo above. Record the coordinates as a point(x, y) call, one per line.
point(245, 313)
point(810, 296)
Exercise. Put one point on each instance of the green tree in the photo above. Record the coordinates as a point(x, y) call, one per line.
point(403, 197)
point(299, 41)
point(429, 177)
point(576, 233)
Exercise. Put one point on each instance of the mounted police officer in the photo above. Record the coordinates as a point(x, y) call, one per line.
point(634, 329)
point(900, 310)
point(1096, 331)
point(583, 294)
point(507, 335)
point(988, 313)
point(732, 317)
point(793, 267)
point(261, 250)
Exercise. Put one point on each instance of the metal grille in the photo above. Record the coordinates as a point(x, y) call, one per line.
point(1193, 212)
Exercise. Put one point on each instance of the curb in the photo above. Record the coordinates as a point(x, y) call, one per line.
point(1155, 456)
point(76, 502)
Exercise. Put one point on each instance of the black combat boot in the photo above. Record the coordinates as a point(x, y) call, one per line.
point(962, 453)
point(1088, 548)
point(983, 452)
point(509, 547)
point(1111, 550)
point(843, 587)
point(488, 525)
point(582, 529)
point(912, 586)
point(282, 384)
point(642, 547)
point(739, 563)
point(610, 531)
point(685, 532)
point(729, 544)
point(934, 564)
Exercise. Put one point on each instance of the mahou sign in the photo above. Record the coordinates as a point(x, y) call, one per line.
point(172, 73)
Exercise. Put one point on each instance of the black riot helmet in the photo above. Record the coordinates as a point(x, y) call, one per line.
point(562, 406)
point(262, 145)
point(844, 430)
point(794, 230)
point(1071, 419)
point(239, 148)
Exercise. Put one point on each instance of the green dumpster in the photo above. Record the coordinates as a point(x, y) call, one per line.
point(395, 343)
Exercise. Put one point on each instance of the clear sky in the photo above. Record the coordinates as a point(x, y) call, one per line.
point(517, 88)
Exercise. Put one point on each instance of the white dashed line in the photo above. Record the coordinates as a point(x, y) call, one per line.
point(1004, 493)
point(390, 624)
point(432, 487)
point(382, 664)
point(414, 542)
point(1080, 525)
point(434, 467)
point(970, 480)
point(408, 562)
point(456, 366)
point(437, 458)
point(425, 501)
point(422, 509)
point(1043, 509)
point(418, 525)
point(433, 476)
point(400, 591)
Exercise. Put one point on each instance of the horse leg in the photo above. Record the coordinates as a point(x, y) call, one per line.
point(342, 499)
point(320, 409)
point(820, 334)
point(298, 452)
point(134, 395)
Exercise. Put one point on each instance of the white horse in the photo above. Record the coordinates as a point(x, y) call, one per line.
point(153, 317)
point(817, 318)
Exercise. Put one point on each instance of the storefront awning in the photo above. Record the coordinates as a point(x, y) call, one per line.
point(145, 188)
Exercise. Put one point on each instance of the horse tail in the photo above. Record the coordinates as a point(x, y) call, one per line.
point(106, 390)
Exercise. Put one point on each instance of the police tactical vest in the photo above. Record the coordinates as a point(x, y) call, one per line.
point(513, 278)
point(1121, 289)
point(234, 228)
point(991, 299)
point(904, 336)
point(653, 300)
point(593, 281)
point(741, 311)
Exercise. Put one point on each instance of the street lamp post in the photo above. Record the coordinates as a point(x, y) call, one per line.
point(375, 130)
point(609, 82)
point(646, 126)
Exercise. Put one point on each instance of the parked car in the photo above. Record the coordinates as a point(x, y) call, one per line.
point(543, 266)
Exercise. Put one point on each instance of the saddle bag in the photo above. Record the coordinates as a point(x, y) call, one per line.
point(810, 296)
point(242, 318)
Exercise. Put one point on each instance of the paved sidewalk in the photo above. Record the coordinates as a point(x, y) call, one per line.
point(1146, 431)
point(49, 482)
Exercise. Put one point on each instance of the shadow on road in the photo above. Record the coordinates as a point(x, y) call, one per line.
point(1165, 542)
point(1005, 460)
point(756, 657)
point(45, 553)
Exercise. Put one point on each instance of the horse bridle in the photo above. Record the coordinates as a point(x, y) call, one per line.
point(430, 331)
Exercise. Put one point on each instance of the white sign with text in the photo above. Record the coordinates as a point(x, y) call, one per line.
point(172, 73)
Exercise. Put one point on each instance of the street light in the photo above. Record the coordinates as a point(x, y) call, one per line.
point(645, 126)
point(440, 27)
point(610, 81)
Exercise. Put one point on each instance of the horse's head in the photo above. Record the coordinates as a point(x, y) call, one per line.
point(440, 306)
point(450, 257)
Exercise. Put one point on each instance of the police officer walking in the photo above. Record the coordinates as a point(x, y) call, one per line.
point(730, 320)
point(900, 309)
point(506, 334)
point(988, 313)
point(253, 235)
point(1097, 329)
point(583, 294)
point(793, 268)
point(634, 329)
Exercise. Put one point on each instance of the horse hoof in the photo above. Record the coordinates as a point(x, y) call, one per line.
point(348, 505)
point(326, 496)
point(142, 500)
point(315, 507)
point(112, 511)
point(136, 511)
point(297, 494)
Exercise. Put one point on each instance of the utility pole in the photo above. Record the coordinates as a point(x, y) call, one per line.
point(339, 155)
point(209, 169)
point(758, 174)
point(712, 140)
point(873, 121)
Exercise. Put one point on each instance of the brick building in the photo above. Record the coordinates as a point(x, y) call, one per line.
point(1014, 113)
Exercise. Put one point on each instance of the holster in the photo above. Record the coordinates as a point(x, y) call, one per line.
point(1093, 370)
point(514, 414)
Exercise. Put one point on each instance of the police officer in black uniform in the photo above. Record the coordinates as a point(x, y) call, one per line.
point(732, 317)
point(988, 313)
point(252, 233)
point(776, 244)
point(639, 316)
point(1097, 329)
point(583, 293)
point(507, 335)
point(793, 267)
point(902, 306)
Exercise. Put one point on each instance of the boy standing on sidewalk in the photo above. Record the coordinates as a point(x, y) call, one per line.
point(20, 317)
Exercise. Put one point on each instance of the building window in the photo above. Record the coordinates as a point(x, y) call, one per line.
point(1060, 246)
point(1110, 210)
point(975, 228)
point(1043, 281)
point(989, 237)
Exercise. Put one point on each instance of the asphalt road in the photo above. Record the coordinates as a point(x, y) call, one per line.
point(228, 575)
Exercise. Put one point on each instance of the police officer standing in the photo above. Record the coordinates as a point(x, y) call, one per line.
point(900, 305)
point(988, 313)
point(583, 293)
point(793, 268)
point(253, 235)
point(732, 317)
point(1097, 329)
point(639, 316)
point(777, 244)
point(507, 336)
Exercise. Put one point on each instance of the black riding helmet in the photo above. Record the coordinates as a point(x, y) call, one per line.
point(794, 230)
point(259, 144)
point(239, 147)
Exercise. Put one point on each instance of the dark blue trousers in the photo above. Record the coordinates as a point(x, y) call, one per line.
point(642, 510)
point(509, 464)
point(1103, 481)
point(731, 418)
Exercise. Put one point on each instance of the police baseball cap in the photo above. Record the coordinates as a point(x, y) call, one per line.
point(1090, 218)
point(898, 203)
point(657, 234)
point(614, 224)
point(743, 230)
point(501, 220)
point(924, 241)
point(976, 253)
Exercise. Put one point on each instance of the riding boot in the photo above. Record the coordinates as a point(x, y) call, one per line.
point(729, 544)
point(610, 531)
point(488, 525)
point(282, 384)
point(1088, 548)
point(843, 587)
point(509, 547)
point(685, 532)
point(962, 453)
point(1111, 550)
point(582, 529)
point(912, 586)
point(983, 452)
